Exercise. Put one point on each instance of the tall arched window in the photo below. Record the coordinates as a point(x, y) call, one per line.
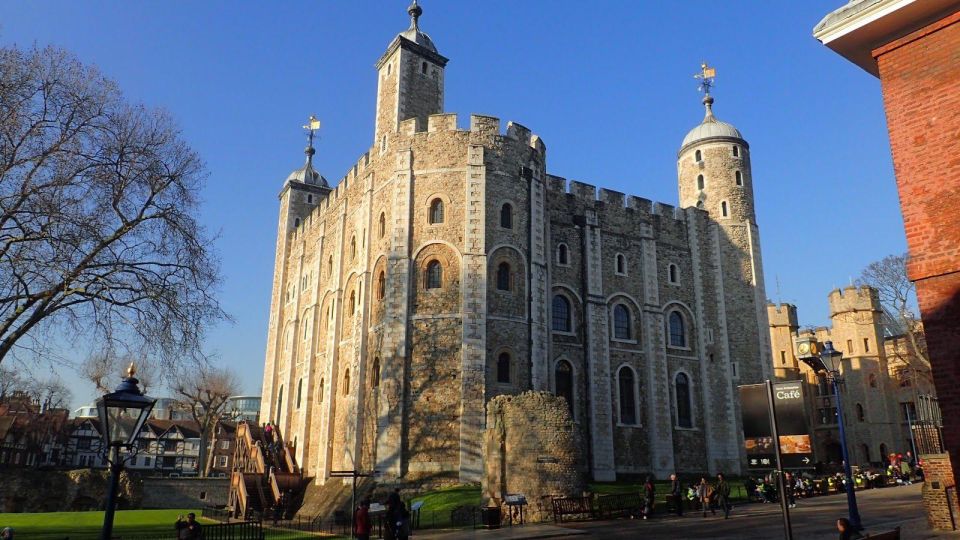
point(684, 416)
point(375, 376)
point(320, 392)
point(699, 181)
point(739, 178)
point(678, 331)
point(723, 208)
point(563, 381)
point(621, 322)
point(736, 151)
point(299, 392)
point(860, 416)
point(381, 285)
point(436, 211)
point(280, 402)
point(628, 396)
point(698, 155)
point(503, 277)
point(503, 368)
point(561, 313)
point(346, 382)
point(330, 265)
point(434, 277)
point(673, 274)
point(383, 224)
point(353, 302)
point(872, 378)
point(353, 248)
point(506, 216)
point(562, 256)
point(621, 264)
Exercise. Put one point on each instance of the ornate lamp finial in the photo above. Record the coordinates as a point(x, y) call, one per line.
point(707, 75)
point(131, 370)
point(415, 11)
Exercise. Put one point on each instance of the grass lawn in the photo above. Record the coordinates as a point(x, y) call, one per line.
point(87, 525)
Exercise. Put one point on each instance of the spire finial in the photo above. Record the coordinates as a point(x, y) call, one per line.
point(311, 126)
point(131, 370)
point(415, 11)
point(707, 75)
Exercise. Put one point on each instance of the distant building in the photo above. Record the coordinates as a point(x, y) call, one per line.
point(31, 433)
point(164, 447)
point(244, 408)
point(886, 389)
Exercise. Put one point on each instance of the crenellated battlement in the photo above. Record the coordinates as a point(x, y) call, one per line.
point(853, 299)
point(609, 200)
point(782, 315)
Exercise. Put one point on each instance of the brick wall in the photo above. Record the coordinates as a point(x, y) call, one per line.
point(919, 74)
point(938, 475)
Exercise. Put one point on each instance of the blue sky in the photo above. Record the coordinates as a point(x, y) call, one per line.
point(608, 85)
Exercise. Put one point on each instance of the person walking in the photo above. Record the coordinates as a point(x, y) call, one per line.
point(704, 494)
point(722, 490)
point(403, 523)
point(676, 493)
point(392, 515)
point(648, 497)
point(789, 487)
point(361, 521)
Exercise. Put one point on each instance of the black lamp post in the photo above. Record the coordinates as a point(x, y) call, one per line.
point(828, 361)
point(122, 414)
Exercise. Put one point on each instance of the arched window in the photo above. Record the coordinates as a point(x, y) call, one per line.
point(866, 452)
point(699, 181)
point(436, 211)
point(320, 392)
point(883, 453)
point(346, 382)
point(561, 313)
point(330, 266)
point(872, 380)
point(684, 416)
point(621, 322)
point(375, 376)
point(739, 178)
point(503, 368)
point(699, 156)
point(628, 396)
point(381, 285)
point(673, 274)
point(434, 277)
point(309, 199)
point(299, 392)
point(678, 331)
point(723, 208)
point(296, 222)
point(503, 277)
point(860, 415)
point(621, 264)
point(423, 68)
point(383, 224)
point(506, 216)
point(563, 382)
point(562, 256)
point(353, 247)
point(736, 151)
point(353, 302)
point(280, 402)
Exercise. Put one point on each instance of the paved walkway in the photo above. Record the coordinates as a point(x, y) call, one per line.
point(881, 509)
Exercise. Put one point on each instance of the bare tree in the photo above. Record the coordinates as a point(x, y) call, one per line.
point(898, 295)
point(204, 392)
point(98, 205)
point(10, 380)
point(51, 393)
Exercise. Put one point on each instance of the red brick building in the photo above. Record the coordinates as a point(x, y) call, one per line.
point(913, 47)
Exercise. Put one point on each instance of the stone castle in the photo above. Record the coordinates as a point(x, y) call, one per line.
point(448, 267)
point(883, 379)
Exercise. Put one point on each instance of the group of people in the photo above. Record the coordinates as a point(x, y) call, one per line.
point(271, 437)
point(396, 524)
point(709, 497)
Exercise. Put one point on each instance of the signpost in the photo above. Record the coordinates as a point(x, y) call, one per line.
point(775, 433)
point(354, 474)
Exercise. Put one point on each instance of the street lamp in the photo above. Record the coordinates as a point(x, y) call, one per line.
point(122, 414)
point(828, 361)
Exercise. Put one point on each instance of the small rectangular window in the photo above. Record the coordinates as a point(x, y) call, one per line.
point(736, 151)
point(783, 354)
point(866, 344)
point(849, 346)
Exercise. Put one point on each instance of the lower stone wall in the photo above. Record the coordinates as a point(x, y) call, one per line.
point(531, 447)
point(184, 492)
point(31, 490)
point(940, 492)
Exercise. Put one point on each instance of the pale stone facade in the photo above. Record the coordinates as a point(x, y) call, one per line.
point(880, 379)
point(447, 267)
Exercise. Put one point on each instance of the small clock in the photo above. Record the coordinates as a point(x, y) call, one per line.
point(804, 347)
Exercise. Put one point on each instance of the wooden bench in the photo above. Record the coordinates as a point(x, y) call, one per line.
point(572, 506)
point(619, 504)
point(889, 535)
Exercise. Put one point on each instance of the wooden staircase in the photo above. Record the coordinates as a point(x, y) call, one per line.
point(266, 478)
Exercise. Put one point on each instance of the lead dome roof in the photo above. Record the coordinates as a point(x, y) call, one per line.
point(710, 128)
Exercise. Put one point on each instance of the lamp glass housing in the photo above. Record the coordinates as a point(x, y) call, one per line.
point(831, 357)
point(123, 413)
